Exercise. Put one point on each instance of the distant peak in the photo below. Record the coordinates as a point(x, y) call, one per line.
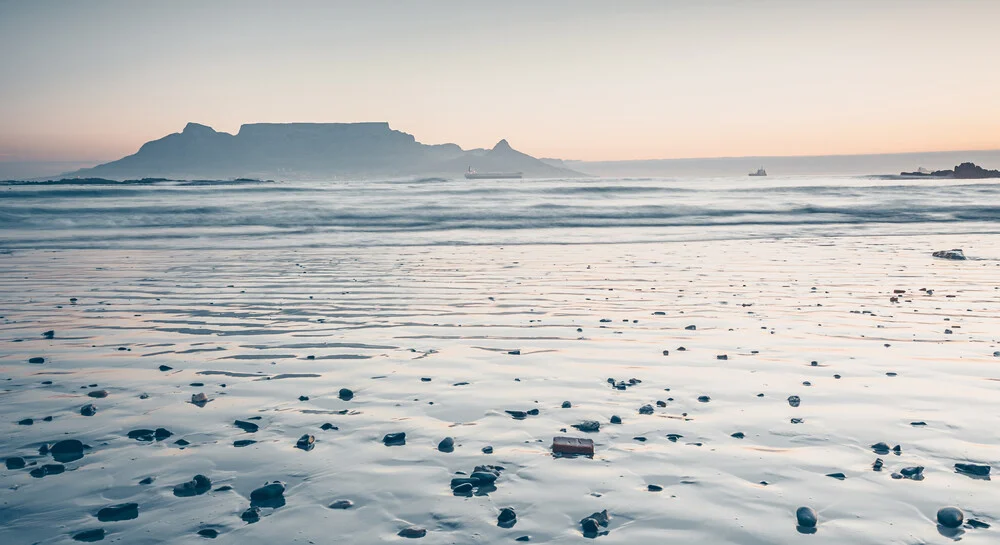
point(196, 128)
point(502, 146)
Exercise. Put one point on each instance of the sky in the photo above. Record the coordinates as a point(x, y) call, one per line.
point(585, 80)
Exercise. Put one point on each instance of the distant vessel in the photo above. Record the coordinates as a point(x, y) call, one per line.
point(760, 172)
point(473, 175)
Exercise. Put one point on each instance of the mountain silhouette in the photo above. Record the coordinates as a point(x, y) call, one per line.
point(311, 151)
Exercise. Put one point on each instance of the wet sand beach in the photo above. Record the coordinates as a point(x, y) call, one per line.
point(440, 341)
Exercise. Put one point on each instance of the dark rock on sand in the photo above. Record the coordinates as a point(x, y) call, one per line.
point(806, 517)
point(195, 487)
point(615, 419)
point(877, 465)
point(142, 434)
point(15, 462)
point(588, 426)
point(646, 409)
point(838, 476)
point(165, 368)
point(342, 504)
point(955, 254)
point(36, 360)
point(691, 328)
point(47, 469)
point(447, 445)
point(243, 443)
point(794, 401)
point(248, 427)
point(592, 524)
point(268, 494)
point(532, 412)
point(209, 533)
point(50, 334)
point(25, 422)
point(303, 398)
point(973, 470)
point(654, 488)
point(99, 394)
point(977, 524)
point(523, 538)
point(89, 536)
point(67, 450)
point(880, 448)
point(462, 488)
point(738, 435)
point(507, 518)
point(950, 517)
point(345, 394)
point(517, 415)
point(704, 399)
point(915, 473)
point(394, 439)
point(673, 437)
point(251, 515)
point(488, 449)
point(147, 480)
point(119, 512)
point(182, 442)
point(306, 442)
point(412, 532)
point(88, 410)
point(566, 405)
point(328, 426)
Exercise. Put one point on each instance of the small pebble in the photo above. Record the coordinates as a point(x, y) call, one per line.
point(209, 533)
point(345, 394)
point(342, 504)
point(98, 394)
point(446, 445)
point(251, 515)
point(704, 399)
point(794, 401)
point(615, 419)
point(488, 450)
point(88, 410)
point(566, 405)
point(654, 488)
point(306, 442)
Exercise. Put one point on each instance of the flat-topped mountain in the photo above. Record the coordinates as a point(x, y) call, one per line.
point(311, 151)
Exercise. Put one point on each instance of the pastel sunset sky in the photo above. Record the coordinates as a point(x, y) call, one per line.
point(571, 79)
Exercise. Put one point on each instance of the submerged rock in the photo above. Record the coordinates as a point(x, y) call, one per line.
point(15, 462)
point(251, 515)
point(950, 517)
point(89, 536)
point(195, 487)
point(119, 512)
point(46, 470)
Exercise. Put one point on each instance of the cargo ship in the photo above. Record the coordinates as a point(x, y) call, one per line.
point(473, 175)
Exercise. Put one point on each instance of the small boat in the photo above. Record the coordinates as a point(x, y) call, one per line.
point(760, 172)
point(473, 175)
